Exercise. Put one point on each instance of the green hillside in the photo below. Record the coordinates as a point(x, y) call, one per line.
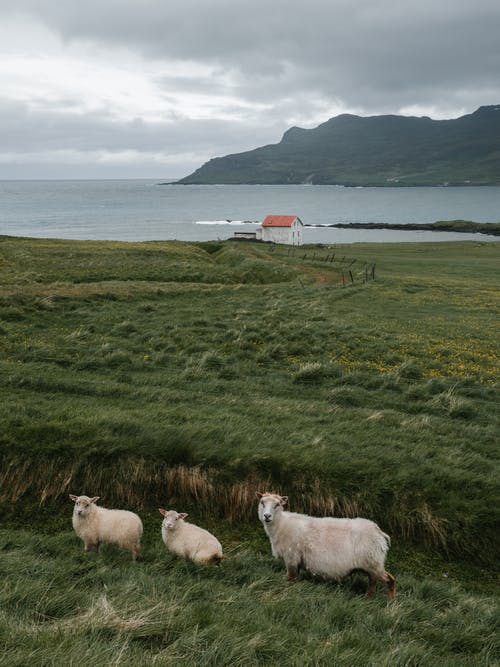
point(191, 375)
point(378, 151)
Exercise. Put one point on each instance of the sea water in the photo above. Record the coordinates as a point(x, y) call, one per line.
point(142, 210)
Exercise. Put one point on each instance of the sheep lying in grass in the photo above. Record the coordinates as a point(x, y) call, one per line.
point(189, 541)
point(328, 547)
point(96, 525)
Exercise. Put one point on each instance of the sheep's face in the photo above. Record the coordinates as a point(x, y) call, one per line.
point(83, 505)
point(171, 519)
point(270, 506)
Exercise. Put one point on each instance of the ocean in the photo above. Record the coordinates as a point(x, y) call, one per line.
point(144, 210)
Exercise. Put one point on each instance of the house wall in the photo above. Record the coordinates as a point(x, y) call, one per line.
point(297, 233)
point(289, 235)
point(277, 234)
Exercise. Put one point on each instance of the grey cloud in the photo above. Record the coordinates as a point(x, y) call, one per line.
point(287, 63)
point(27, 131)
point(353, 52)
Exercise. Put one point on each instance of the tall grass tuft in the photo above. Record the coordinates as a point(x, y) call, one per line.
point(448, 403)
point(311, 373)
point(408, 370)
point(137, 482)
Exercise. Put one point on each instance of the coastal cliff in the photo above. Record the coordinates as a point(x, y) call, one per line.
point(371, 151)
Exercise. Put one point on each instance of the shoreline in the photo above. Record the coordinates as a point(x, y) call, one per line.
point(458, 226)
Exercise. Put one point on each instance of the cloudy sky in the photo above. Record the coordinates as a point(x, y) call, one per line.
point(154, 88)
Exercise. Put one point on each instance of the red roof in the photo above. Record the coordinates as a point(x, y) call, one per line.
point(279, 220)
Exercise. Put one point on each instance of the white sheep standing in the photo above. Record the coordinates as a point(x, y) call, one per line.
point(96, 525)
point(187, 540)
point(328, 547)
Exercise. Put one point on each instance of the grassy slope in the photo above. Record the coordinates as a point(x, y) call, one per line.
point(184, 374)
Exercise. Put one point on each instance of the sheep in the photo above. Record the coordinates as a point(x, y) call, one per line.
point(187, 540)
point(96, 525)
point(328, 547)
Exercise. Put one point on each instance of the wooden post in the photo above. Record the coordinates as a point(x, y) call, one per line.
point(352, 279)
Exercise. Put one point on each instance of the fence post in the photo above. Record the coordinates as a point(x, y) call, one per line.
point(352, 279)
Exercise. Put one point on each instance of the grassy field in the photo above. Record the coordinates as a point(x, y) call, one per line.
point(190, 376)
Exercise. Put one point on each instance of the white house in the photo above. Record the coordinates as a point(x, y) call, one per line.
point(281, 229)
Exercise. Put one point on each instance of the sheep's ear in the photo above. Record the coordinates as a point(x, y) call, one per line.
point(164, 512)
point(283, 500)
point(73, 498)
point(94, 500)
point(183, 515)
point(259, 494)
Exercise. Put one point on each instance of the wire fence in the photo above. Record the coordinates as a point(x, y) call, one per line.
point(350, 270)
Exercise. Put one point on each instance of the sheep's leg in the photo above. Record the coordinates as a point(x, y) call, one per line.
point(372, 585)
point(385, 578)
point(135, 551)
point(292, 572)
point(91, 546)
point(390, 583)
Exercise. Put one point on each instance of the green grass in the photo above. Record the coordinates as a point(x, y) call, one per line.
point(61, 607)
point(191, 375)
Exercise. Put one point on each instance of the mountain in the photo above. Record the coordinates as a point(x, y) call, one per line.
point(376, 150)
